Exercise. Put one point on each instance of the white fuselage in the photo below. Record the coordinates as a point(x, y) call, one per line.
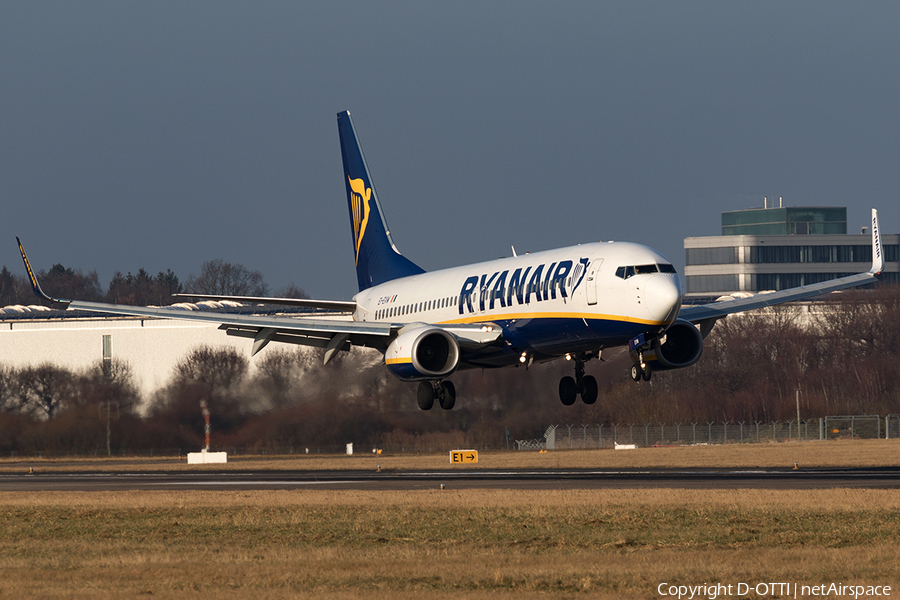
point(551, 303)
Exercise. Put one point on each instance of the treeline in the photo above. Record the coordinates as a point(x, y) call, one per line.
point(141, 288)
point(844, 362)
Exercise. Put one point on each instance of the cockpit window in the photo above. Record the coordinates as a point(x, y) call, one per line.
point(626, 272)
point(666, 269)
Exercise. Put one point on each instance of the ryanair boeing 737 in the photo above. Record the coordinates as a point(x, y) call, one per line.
point(568, 303)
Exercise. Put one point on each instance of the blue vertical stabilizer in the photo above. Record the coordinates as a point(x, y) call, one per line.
point(377, 259)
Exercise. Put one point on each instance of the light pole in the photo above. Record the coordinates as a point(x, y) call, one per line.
point(205, 407)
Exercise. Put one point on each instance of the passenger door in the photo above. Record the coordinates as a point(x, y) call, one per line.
point(591, 280)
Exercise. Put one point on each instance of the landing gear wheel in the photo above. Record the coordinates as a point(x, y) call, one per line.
point(636, 372)
point(447, 397)
point(588, 390)
point(646, 373)
point(425, 395)
point(568, 391)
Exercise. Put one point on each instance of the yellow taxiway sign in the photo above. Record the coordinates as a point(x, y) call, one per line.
point(463, 456)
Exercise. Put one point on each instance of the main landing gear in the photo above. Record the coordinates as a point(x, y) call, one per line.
point(443, 391)
point(581, 385)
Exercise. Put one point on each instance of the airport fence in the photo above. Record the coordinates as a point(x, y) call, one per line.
point(593, 436)
point(562, 437)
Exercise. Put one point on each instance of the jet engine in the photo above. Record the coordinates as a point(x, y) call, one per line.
point(680, 346)
point(422, 353)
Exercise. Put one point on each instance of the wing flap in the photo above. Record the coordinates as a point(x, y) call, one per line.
point(313, 339)
point(298, 325)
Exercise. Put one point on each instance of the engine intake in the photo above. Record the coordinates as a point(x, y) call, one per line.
point(683, 346)
point(422, 353)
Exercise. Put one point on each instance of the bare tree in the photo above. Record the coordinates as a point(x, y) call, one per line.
point(10, 400)
point(109, 384)
point(46, 388)
point(291, 291)
point(227, 279)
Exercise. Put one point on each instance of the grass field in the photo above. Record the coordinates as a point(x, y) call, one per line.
point(453, 543)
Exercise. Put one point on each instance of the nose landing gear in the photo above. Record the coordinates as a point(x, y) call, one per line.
point(640, 371)
point(582, 385)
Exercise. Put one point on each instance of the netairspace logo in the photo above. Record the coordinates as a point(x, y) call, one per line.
point(712, 591)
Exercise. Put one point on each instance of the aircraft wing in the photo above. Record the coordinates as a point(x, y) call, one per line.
point(717, 310)
point(333, 335)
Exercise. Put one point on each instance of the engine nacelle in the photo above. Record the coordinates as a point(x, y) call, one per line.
point(422, 353)
point(682, 347)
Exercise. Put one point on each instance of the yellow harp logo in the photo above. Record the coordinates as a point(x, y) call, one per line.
point(359, 206)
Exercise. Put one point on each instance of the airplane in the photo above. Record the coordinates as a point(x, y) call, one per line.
point(570, 303)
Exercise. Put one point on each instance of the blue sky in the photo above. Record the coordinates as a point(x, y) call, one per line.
point(160, 135)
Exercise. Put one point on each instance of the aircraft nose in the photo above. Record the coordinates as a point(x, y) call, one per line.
point(663, 297)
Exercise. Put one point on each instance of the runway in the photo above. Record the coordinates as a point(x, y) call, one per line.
point(532, 479)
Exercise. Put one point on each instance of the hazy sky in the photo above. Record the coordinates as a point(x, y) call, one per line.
point(163, 134)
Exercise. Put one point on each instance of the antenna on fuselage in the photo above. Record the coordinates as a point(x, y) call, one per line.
point(514, 251)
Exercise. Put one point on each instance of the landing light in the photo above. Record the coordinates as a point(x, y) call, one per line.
point(523, 358)
point(487, 328)
point(568, 356)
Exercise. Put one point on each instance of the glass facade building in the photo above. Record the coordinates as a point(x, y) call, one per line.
point(779, 248)
point(785, 221)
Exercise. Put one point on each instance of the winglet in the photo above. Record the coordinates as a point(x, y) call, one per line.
point(35, 286)
point(877, 252)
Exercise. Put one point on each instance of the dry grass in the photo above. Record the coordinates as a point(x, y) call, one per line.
point(452, 544)
point(433, 544)
point(835, 453)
